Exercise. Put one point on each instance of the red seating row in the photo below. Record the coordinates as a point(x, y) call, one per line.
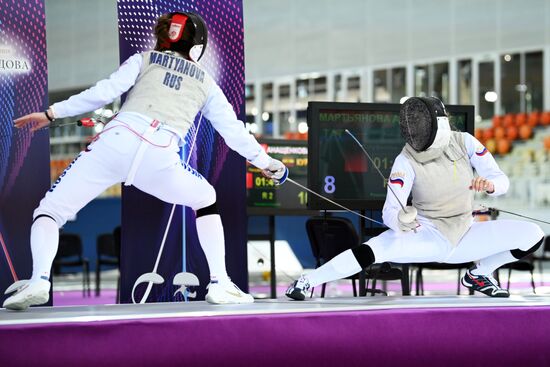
point(510, 127)
point(519, 119)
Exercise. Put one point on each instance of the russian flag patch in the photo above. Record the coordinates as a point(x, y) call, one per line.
point(481, 151)
point(397, 181)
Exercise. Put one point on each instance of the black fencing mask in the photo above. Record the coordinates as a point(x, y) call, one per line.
point(424, 123)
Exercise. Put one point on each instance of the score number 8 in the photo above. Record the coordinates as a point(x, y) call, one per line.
point(330, 186)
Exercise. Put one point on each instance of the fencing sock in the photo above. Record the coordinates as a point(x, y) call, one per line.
point(210, 232)
point(491, 263)
point(44, 242)
point(341, 266)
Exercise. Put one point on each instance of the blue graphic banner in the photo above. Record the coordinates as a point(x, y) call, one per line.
point(24, 156)
point(144, 218)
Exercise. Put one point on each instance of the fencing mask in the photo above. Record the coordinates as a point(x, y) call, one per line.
point(199, 31)
point(424, 123)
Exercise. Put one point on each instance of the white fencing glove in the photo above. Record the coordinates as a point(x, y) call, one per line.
point(407, 220)
point(276, 171)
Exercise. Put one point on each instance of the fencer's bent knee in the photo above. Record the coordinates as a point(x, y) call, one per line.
point(364, 255)
point(206, 196)
point(43, 216)
point(41, 212)
point(520, 254)
point(209, 210)
point(533, 234)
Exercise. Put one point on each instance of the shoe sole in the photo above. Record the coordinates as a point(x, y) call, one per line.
point(23, 304)
point(226, 302)
point(296, 295)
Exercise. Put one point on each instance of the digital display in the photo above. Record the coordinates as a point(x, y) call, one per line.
point(263, 195)
point(339, 169)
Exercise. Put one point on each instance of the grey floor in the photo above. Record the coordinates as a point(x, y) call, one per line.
point(339, 298)
point(40, 315)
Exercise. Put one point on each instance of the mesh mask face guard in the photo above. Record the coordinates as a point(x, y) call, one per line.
point(419, 119)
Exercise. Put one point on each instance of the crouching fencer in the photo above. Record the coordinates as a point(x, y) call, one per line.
point(140, 147)
point(437, 167)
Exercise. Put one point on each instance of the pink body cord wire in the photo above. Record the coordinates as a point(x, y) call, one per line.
point(125, 125)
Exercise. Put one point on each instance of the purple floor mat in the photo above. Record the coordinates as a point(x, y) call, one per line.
point(483, 336)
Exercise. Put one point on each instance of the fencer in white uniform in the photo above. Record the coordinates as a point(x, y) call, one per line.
point(436, 167)
point(140, 147)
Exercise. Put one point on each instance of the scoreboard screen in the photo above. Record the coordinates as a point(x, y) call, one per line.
point(338, 167)
point(265, 197)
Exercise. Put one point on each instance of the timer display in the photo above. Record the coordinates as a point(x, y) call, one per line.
point(263, 193)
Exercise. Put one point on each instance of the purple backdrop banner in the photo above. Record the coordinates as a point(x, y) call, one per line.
point(24, 156)
point(144, 218)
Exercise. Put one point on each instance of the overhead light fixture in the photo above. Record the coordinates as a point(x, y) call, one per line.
point(491, 96)
point(302, 127)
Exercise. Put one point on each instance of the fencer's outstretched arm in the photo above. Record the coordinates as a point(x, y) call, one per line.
point(401, 180)
point(219, 112)
point(485, 165)
point(104, 92)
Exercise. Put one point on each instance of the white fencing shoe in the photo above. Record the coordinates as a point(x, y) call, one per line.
point(485, 284)
point(225, 292)
point(298, 289)
point(27, 293)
